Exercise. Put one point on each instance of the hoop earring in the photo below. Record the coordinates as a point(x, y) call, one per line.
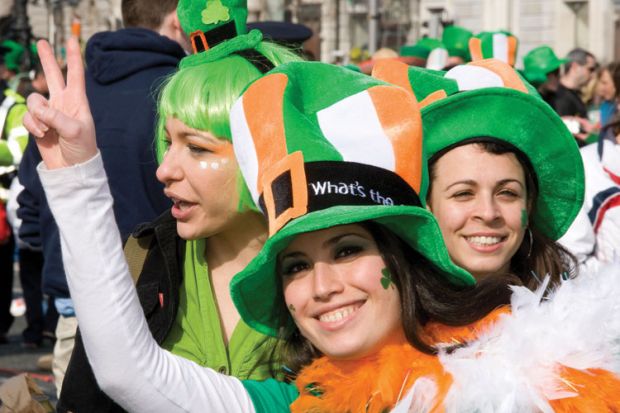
point(531, 237)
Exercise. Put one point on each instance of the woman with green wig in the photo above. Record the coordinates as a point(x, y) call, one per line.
point(184, 260)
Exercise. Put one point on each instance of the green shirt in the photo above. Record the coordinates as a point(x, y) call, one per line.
point(271, 396)
point(197, 332)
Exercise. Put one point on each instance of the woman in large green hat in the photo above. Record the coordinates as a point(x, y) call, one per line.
point(496, 152)
point(184, 260)
point(354, 275)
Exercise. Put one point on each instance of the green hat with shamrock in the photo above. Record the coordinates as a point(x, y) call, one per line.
point(540, 61)
point(456, 40)
point(217, 28)
point(319, 146)
point(12, 53)
point(501, 45)
point(488, 99)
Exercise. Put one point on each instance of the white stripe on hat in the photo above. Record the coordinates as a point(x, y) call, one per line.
point(469, 77)
point(437, 59)
point(500, 47)
point(245, 151)
point(353, 127)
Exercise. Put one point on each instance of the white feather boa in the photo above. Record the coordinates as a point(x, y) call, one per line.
point(511, 367)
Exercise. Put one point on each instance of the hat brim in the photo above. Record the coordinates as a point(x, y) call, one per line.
point(257, 292)
point(556, 65)
point(530, 125)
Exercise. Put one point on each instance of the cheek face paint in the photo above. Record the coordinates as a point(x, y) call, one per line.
point(291, 308)
point(524, 218)
point(214, 165)
point(386, 280)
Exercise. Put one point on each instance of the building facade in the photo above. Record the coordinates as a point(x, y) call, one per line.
point(343, 26)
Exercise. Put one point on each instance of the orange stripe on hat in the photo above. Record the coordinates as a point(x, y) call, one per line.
point(394, 72)
point(433, 97)
point(266, 121)
point(402, 123)
point(475, 49)
point(508, 75)
point(512, 50)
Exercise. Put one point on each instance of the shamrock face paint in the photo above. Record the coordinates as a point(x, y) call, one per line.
point(200, 175)
point(386, 280)
point(291, 308)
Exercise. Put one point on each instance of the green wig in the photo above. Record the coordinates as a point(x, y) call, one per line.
point(201, 95)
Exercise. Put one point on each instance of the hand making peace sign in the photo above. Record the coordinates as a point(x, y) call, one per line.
point(62, 124)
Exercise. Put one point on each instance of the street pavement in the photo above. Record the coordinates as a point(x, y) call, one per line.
point(15, 360)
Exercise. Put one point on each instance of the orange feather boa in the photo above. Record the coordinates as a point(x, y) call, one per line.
point(373, 384)
point(376, 383)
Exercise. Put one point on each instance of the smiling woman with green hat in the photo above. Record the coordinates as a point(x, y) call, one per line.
point(353, 269)
point(475, 116)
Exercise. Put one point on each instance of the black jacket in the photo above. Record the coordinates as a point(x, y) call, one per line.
point(161, 274)
point(124, 70)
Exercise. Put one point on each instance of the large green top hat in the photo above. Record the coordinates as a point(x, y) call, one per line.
point(456, 40)
point(217, 28)
point(539, 62)
point(320, 146)
point(501, 45)
point(487, 98)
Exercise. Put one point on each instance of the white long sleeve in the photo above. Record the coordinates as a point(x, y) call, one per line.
point(128, 364)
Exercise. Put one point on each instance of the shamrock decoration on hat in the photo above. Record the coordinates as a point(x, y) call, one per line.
point(217, 28)
point(488, 99)
point(501, 45)
point(318, 146)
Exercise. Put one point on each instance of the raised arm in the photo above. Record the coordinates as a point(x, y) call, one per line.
point(62, 124)
point(128, 364)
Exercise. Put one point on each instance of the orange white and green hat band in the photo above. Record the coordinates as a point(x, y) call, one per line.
point(488, 99)
point(319, 146)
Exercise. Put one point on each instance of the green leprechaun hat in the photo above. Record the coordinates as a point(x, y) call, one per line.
point(488, 99)
point(217, 28)
point(500, 45)
point(456, 40)
point(319, 146)
point(540, 61)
